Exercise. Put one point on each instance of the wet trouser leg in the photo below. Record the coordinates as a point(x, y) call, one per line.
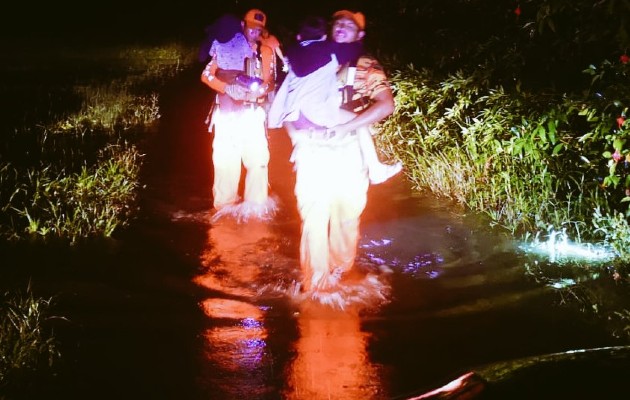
point(331, 190)
point(350, 186)
point(240, 139)
point(256, 157)
point(226, 159)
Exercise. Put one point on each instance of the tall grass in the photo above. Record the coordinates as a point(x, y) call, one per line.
point(500, 129)
point(76, 174)
point(27, 346)
point(92, 202)
point(534, 162)
point(526, 121)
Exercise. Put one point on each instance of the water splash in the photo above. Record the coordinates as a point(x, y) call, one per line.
point(371, 291)
point(245, 211)
point(558, 248)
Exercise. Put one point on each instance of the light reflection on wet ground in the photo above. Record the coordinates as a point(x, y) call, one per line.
point(243, 267)
point(447, 294)
point(187, 309)
point(332, 361)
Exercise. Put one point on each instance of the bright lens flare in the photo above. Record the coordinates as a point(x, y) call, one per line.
point(558, 247)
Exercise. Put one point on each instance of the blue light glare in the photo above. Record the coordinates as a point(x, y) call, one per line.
point(252, 348)
point(558, 247)
point(255, 344)
point(424, 265)
point(420, 266)
point(373, 243)
point(251, 323)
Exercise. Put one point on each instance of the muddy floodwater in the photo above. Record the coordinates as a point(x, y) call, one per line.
point(177, 307)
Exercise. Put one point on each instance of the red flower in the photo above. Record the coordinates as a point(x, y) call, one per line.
point(616, 156)
point(517, 11)
point(624, 58)
point(620, 121)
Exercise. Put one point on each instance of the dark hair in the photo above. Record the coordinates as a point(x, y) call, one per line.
point(223, 29)
point(312, 27)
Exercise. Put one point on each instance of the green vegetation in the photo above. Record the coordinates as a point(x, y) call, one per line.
point(26, 345)
point(72, 174)
point(75, 175)
point(500, 129)
point(532, 162)
point(524, 120)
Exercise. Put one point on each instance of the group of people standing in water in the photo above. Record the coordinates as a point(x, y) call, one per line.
point(330, 98)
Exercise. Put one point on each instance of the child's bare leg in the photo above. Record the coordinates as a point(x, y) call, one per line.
point(368, 150)
point(377, 171)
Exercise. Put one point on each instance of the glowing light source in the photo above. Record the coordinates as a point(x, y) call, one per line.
point(251, 83)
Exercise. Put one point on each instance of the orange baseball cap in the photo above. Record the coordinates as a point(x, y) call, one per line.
point(255, 18)
point(357, 17)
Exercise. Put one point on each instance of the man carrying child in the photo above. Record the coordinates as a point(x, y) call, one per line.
point(333, 152)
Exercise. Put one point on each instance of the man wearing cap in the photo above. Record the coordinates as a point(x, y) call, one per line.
point(331, 178)
point(241, 72)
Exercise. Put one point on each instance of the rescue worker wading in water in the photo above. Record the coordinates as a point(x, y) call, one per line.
point(242, 72)
point(331, 174)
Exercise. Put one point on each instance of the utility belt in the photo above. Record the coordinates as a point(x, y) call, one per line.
point(309, 129)
point(227, 104)
point(323, 136)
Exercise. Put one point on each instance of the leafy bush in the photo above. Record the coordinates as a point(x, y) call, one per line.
point(495, 139)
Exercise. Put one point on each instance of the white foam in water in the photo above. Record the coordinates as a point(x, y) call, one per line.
point(558, 247)
point(371, 291)
point(244, 211)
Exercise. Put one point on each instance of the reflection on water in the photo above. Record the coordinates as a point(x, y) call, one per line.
point(236, 348)
point(234, 257)
point(247, 277)
point(237, 363)
point(425, 277)
point(249, 274)
point(332, 360)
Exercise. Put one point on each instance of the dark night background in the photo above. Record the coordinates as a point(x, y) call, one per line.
point(424, 33)
point(400, 27)
point(143, 20)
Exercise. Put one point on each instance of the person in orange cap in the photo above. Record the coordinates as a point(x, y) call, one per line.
point(331, 175)
point(242, 73)
point(309, 96)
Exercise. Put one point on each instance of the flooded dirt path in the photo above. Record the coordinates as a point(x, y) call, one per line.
point(180, 308)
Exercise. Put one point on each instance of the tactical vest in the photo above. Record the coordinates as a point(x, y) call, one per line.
point(345, 77)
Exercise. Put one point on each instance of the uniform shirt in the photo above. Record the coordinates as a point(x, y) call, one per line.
point(369, 81)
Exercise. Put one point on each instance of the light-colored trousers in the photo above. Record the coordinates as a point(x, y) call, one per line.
point(331, 189)
point(240, 139)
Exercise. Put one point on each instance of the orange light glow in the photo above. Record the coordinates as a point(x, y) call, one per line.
point(236, 357)
point(332, 361)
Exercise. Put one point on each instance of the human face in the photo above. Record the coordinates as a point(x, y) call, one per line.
point(344, 30)
point(252, 34)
